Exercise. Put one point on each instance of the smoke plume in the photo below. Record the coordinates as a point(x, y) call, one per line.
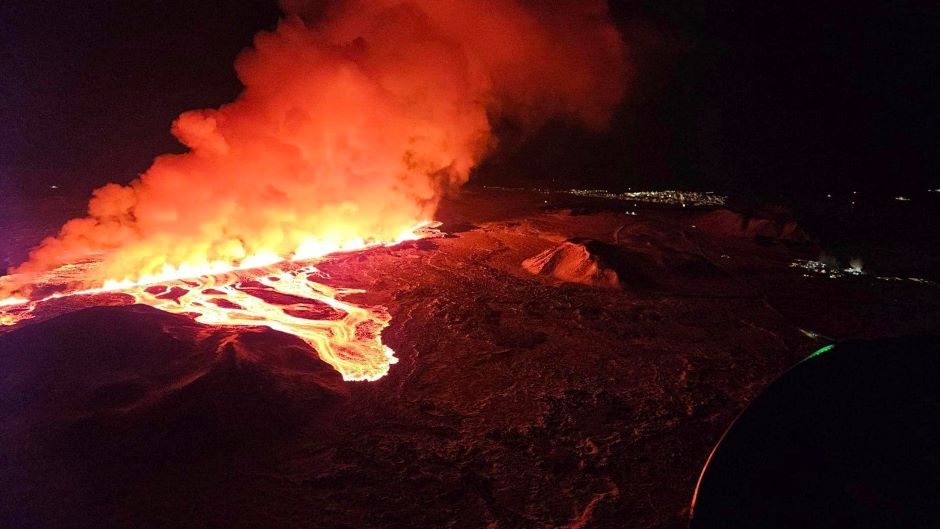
point(352, 123)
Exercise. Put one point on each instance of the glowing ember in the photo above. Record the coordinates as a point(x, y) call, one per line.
point(284, 296)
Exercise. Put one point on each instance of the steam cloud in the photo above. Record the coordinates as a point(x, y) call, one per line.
point(351, 125)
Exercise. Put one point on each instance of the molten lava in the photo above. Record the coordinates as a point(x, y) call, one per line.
point(344, 335)
point(286, 296)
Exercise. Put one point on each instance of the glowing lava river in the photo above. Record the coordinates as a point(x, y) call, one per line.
point(286, 296)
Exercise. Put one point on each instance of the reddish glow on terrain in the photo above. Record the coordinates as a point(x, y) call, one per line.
point(282, 295)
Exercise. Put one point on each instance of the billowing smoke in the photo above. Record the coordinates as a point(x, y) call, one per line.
point(351, 125)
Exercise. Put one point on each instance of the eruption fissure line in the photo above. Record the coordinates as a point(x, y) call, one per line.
point(344, 335)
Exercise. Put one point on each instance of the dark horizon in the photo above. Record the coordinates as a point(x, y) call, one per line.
point(724, 95)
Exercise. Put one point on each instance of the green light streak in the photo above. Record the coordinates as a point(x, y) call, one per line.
point(821, 351)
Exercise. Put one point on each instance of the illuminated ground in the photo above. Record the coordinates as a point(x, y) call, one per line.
point(517, 401)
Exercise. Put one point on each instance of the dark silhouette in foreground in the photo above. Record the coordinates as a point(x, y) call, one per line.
point(847, 438)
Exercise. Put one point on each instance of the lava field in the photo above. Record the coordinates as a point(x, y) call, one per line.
point(583, 390)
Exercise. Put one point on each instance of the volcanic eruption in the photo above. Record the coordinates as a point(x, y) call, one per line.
point(353, 122)
point(430, 267)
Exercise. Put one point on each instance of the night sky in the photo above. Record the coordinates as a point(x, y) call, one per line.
point(748, 97)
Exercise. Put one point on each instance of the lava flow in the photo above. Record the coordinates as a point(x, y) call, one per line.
point(344, 335)
point(286, 296)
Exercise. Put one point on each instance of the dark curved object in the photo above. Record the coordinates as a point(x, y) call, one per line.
point(846, 438)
